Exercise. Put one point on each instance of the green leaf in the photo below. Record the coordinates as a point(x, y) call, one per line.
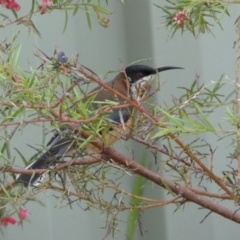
point(66, 21)
point(134, 214)
point(88, 16)
point(205, 119)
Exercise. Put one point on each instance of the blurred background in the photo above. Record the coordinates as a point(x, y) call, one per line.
point(135, 34)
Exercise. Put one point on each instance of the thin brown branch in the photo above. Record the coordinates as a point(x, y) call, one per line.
point(176, 188)
point(40, 120)
point(210, 194)
point(109, 205)
point(59, 167)
point(161, 150)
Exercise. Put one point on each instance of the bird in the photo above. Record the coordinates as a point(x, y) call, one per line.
point(134, 80)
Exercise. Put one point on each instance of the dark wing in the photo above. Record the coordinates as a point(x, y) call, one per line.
point(60, 146)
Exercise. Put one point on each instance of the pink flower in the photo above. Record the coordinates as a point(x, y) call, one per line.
point(10, 220)
point(23, 213)
point(10, 4)
point(44, 4)
point(180, 17)
point(5, 221)
point(16, 6)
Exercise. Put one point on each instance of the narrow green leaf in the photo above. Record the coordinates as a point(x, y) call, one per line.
point(66, 21)
point(134, 214)
point(88, 17)
point(204, 117)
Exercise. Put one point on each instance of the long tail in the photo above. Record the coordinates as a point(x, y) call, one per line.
point(60, 147)
point(45, 161)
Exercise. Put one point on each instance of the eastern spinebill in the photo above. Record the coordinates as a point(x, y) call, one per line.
point(129, 82)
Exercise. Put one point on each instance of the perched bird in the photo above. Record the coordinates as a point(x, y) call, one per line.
point(135, 79)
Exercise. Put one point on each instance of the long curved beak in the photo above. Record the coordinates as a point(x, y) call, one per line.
point(161, 69)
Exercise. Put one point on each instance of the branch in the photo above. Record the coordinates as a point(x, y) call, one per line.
point(175, 187)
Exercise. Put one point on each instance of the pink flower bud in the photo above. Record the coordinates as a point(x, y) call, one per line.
point(44, 4)
point(10, 4)
point(23, 213)
point(5, 221)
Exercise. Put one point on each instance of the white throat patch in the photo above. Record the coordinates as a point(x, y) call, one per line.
point(142, 86)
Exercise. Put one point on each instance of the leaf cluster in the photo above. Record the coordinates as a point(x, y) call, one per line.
point(202, 16)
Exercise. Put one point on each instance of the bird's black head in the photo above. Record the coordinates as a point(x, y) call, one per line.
point(143, 72)
point(137, 72)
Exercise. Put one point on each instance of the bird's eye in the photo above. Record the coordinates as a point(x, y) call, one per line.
point(140, 75)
